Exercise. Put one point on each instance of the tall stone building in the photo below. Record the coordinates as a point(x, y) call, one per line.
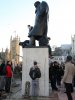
point(7, 55)
point(73, 45)
point(2, 56)
point(14, 49)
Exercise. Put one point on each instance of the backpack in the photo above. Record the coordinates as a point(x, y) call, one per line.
point(32, 73)
point(35, 73)
point(38, 72)
point(2, 69)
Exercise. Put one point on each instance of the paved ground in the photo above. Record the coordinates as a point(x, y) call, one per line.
point(62, 96)
point(16, 94)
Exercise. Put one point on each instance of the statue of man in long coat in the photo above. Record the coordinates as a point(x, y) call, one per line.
point(39, 31)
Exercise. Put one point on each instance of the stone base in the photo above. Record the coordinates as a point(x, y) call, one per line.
point(41, 56)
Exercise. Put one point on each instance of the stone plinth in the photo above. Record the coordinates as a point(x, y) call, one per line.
point(41, 56)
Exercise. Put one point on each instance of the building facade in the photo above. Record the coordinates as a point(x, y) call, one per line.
point(59, 59)
point(73, 45)
point(7, 55)
point(14, 49)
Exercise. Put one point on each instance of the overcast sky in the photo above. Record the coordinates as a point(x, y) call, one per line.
point(15, 15)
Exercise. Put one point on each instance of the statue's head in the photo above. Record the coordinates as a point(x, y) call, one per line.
point(36, 3)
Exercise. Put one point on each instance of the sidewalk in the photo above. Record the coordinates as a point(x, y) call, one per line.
point(16, 94)
point(63, 96)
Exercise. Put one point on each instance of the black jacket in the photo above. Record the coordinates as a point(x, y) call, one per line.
point(35, 73)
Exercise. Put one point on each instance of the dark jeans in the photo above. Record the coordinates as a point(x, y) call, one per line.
point(53, 83)
point(2, 83)
point(8, 84)
point(69, 90)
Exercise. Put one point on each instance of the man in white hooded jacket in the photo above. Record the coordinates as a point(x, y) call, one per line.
point(68, 77)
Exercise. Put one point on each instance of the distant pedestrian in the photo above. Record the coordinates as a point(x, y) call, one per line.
point(2, 76)
point(8, 76)
point(68, 77)
point(35, 74)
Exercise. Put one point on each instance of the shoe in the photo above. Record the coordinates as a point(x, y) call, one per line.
point(10, 92)
point(56, 89)
point(3, 92)
point(4, 95)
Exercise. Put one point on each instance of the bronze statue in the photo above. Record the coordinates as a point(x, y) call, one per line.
point(39, 31)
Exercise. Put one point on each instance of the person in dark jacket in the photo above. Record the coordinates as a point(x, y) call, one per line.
point(2, 76)
point(53, 73)
point(8, 76)
point(35, 74)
